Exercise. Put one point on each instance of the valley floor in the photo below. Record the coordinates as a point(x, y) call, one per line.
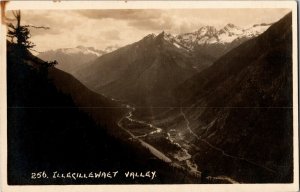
point(166, 145)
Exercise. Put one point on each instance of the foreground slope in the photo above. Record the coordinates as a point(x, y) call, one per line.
point(57, 124)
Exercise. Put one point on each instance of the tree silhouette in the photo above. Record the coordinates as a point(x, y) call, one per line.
point(21, 32)
point(20, 35)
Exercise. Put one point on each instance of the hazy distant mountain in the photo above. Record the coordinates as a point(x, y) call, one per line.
point(242, 106)
point(143, 72)
point(71, 59)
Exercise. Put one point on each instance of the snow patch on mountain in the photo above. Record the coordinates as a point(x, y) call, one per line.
point(171, 39)
point(111, 48)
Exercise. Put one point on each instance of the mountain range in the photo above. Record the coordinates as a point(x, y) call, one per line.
point(135, 72)
point(71, 59)
point(210, 35)
point(206, 45)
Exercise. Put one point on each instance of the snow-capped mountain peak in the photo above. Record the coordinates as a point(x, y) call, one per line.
point(82, 50)
point(207, 31)
point(70, 59)
point(210, 35)
point(231, 29)
point(231, 26)
point(166, 36)
point(171, 39)
point(151, 35)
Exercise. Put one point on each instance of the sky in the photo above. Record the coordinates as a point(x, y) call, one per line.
point(103, 28)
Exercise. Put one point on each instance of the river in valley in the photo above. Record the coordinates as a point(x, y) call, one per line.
point(169, 145)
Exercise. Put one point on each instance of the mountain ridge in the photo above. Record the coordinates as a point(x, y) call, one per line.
point(210, 35)
point(135, 71)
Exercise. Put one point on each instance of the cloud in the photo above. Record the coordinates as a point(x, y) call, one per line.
point(186, 27)
point(124, 14)
point(57, 21)
point(102, 28)
point(163, 23)
point(140, 19)
point(82, 39)
point(111, 34)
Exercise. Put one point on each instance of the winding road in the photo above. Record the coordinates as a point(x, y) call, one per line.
point(219, 149)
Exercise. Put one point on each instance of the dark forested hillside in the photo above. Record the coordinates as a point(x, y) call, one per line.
point(242, 105)
point(48, 132)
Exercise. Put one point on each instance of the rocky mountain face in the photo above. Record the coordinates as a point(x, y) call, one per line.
point(143, 73)
point(71, 59)
point(240, 109)
point(210, 35)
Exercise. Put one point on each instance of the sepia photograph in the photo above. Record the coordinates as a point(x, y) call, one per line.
point(150, 94)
